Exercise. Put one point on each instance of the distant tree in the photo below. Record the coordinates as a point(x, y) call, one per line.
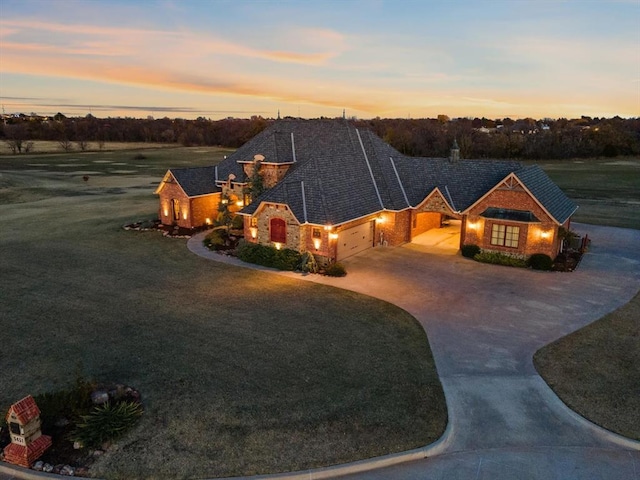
point(15, 137)
point(65, 144)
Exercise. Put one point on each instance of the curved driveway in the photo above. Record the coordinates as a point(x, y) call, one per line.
point(484, 324)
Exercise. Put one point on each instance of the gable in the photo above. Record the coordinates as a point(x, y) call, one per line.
point(510, 194)
point(23, 411)
point(435, 202)
point(194, 182)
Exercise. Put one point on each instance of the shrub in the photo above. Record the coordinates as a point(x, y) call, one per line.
point(540, 261)
point(237, 223)
point(216, 240)
point(308, 263)
point(335, 270)
point(268, 256)
point(72, 402)
point(470, 251)
point(106, 422)
point(499, 259)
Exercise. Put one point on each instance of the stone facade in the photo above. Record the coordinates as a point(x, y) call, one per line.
point(257, 228)
point(271, 173)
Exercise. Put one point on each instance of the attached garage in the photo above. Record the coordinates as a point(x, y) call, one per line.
point(354, 240)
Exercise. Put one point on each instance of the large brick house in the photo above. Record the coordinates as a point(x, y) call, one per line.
point(336, 190)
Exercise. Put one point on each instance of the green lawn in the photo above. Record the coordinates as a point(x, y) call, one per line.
point(241, 371)
point(596, 370)
point(606, 189)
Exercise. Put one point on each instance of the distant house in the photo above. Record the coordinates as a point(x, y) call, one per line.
point(336, 190)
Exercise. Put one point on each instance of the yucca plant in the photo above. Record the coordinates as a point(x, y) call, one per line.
point(106, 422)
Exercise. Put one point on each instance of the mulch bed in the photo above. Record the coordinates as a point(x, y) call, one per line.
point(174, 231)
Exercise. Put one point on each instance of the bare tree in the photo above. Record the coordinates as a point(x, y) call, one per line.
point(65, 145)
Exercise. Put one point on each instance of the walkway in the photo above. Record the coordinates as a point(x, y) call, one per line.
point(484, 324)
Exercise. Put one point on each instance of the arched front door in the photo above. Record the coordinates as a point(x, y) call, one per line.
point(278, 230)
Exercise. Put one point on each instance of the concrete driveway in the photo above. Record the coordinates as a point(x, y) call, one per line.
point(484, 324)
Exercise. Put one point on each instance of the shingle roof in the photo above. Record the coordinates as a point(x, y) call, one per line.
point(462, 182)
point(548, 193)
point(340, 173)
point(196, 180)
point(24, 410)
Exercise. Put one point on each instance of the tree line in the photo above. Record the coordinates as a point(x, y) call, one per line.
point(428, 137)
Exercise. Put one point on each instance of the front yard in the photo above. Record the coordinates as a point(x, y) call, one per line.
point(241, 372)
point(596, 370)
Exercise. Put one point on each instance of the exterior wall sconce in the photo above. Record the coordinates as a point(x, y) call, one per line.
point(184, 215)
point(207, 221)
point(473, 225)
point(166, 212)
point(380, 219)
point(224, 201)
point(545, 234)
point(333, 236)
point(317, 243)
point(240, 203)
point(253, 231)
point(328, 228)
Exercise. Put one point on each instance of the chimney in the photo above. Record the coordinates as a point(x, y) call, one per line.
point(455, 152)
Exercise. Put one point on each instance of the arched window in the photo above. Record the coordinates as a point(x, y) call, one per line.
point(278, 230)
point(175, 204)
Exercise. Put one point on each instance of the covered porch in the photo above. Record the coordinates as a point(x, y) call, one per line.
point(444, 240)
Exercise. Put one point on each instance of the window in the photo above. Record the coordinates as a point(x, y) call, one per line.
point(317, 233)
point(176, 208)
point(278, 230)
point(14, 428)
point(505, 235)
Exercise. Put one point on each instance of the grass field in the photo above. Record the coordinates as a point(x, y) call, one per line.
point(596, 370)
point(607, 190)
point(241, 371)
point(49, 146)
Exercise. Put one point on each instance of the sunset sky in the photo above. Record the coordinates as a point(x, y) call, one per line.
point(401, 58)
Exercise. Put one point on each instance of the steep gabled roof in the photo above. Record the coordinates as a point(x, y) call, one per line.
point(196, 181)
point(341, 173)
point(24, 410)
point(548, 194)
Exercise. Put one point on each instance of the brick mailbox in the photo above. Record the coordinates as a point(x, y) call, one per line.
point(27, 442)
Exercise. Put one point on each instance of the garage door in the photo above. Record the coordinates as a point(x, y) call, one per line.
point(354, 240)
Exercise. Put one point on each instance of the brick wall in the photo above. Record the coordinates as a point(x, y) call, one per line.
point(204, 210)
point(169, 192)
point(533, 238)
point(424, 221)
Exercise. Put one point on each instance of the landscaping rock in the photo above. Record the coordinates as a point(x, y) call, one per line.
point(67, 470)
point(38, 466)
point(77, 445)
point(99, 397)
point(47, 467)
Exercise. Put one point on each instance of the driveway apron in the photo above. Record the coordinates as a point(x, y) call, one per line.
point(484, 324)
